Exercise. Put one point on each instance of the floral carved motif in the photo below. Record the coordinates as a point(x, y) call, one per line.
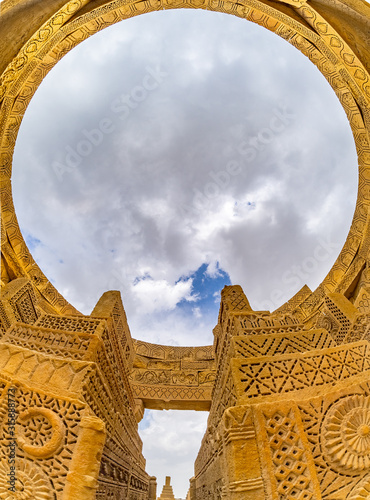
point(31, 483)
point(346, 434)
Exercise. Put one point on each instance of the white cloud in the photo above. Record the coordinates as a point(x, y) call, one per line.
point(159, 295)
point(197, 312)
point(174, 327)
point(213, 270)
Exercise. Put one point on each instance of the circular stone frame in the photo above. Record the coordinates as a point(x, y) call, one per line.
point(333, 34)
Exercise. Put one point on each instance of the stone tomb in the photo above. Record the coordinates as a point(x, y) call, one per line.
point(287, 392)
point(167, 492)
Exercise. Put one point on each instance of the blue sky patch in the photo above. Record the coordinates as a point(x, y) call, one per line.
point(208, 281)
point(32, 242)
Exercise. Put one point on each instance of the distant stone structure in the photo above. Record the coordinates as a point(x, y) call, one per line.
point(167, 492)
point(288, 392)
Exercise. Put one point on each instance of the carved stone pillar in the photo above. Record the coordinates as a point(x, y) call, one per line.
point(241, 465)
point(82, 479)
point(153, 488)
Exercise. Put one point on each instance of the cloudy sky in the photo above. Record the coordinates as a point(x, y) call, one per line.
point(173, 154)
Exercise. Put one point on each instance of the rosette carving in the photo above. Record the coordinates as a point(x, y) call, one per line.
point(30, 483)
point(361, 490)
point(346, 434)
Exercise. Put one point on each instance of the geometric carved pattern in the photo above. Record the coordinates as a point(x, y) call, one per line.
point(72, 324)
point(56, 343)
point(334, 321)
point(25, 310)
point(303, 370)
point(223, 398)
point(122, 332)
point(172, 393)
point(172, 353)
point(21, 297)
point(267, 330)
point(39, 369)
point(360, 329)
point(37, 432)
point(237, 301)
point(4, 321)
point(257, 321)
point(295, 301)
point(262, 345)
point(289, 458)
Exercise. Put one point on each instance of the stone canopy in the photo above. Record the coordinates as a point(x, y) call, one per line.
point(287, 391)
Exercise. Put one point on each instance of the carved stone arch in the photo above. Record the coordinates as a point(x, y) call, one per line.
point(320, 31)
